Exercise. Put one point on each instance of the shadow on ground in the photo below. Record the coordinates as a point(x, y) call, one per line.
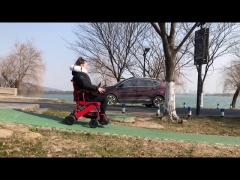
point(54, 118)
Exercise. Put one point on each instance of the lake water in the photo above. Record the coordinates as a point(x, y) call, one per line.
point(190, 100)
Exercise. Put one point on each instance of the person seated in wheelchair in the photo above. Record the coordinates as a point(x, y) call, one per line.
point(94, 93)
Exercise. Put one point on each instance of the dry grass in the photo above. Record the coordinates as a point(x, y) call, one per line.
point(204, 125)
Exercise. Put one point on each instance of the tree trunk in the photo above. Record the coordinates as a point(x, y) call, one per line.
point(170, 102)
point(118, 78)
point(201, 101)
point(235, 98)
point(170, 50)
point(17, 85)
point(170, 99)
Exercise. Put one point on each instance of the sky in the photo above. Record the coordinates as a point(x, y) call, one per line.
point(215, 78)
point(50, 39)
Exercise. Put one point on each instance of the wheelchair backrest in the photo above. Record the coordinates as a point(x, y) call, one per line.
point(78, 94)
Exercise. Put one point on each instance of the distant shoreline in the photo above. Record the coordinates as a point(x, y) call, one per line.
point(217, 94)
point(58, 92)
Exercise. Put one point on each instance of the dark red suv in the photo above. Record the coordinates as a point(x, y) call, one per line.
point(137, 90)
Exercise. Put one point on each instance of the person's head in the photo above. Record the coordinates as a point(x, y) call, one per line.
point(81, 62)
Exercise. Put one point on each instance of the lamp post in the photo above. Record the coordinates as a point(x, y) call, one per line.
point(144, 59)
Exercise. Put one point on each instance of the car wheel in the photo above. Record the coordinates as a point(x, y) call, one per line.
point(111, 99)
point(157, 100)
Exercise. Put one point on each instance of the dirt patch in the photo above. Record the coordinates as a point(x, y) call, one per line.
point(141, 114)
point(144, 118)
point(119, 117)
point(59, 145)
point(21, 131)
point(40, 110)
point(16, 128)
point(55, 149)
point(5, 133)
point(145, 122)
point(29, 136)
point(139, 120)
point(123, 119)
point(148, 124)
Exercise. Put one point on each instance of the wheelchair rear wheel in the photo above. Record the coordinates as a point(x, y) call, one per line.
point(93, 123)
point(70, 119)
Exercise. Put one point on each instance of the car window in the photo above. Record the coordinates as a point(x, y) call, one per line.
point(129, 83)
point(148, 83)
point(144, 83)
point(156, 83)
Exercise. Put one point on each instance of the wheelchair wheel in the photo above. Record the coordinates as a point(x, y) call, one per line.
point(69, 120)
point(93, 123)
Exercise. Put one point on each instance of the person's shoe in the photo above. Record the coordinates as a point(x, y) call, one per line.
point(104, 120)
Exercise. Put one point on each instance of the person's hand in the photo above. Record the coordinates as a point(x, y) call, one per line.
point(101, 90)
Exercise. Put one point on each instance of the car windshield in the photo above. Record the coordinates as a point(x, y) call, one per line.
point(120, 82)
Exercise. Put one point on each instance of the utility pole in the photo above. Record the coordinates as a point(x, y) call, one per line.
point(144, 60)
point(199, 88)
point(200, 58)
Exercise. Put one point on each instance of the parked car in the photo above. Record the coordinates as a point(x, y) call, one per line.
point(137, 90)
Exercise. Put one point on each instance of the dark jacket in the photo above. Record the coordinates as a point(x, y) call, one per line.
point(83, 82)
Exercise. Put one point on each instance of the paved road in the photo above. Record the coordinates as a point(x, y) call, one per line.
point(180, 111)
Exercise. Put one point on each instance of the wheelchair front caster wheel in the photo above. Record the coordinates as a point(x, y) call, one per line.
point(93, 123)
point(69, 120)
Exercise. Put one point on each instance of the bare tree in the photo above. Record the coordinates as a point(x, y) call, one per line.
point(223, 39)
point(100, 72)
point(154, 62)
point(7, 73)
point(22, 66)
point(167, 32)
point(108, 45)
point(232, 79)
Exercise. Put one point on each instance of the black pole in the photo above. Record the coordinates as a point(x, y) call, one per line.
point(201, 43)
point(199, 89)
point(144, 59)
